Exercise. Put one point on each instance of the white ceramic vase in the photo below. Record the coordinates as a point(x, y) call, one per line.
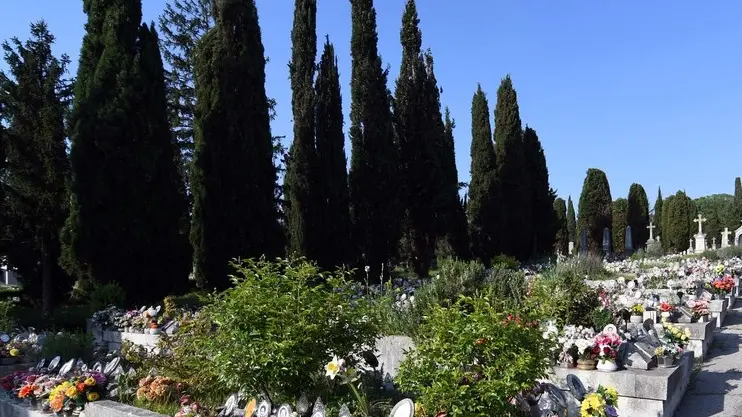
point(636, 319)
point(606, 366)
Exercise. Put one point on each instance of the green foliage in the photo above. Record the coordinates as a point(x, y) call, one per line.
point(561, 240)
point(730, 252)
point(676, 219)
point(710, 254)
point(545, 224)
point(233, 178)
point(637, 215)
point(654, 250)
point(620, 207)
point(515, 217)
point(68, 345)
point(335, 213)
point(470, 360)
point(483, 188)
point(279, 325)
point(507, 285)
point(718, 209)
point(600, 317)
point(505, 261)
point(595, 209)
point(7, 322)
point(657, 217)
point(301, 183)
point(737, 204)
point(561, 294)
point(108, 294)
point(374, 162)
point(571, 222)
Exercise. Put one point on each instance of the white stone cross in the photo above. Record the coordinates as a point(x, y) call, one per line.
point(725, 237)
point(651, 230)
point(700, 221)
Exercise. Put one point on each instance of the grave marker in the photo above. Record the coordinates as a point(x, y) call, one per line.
point(583, 241)
point(725, 237)
point(607, 241)
point(628, 242)
point(651, 228)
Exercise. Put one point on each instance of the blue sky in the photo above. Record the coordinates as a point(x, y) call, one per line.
point(650, 92)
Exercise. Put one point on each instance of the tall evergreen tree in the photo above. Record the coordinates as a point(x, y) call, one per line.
point(453, 226)
point(374, 164)
point(182, 24)
point(637, 215)
point(483, 187)
point(571, 221)
point(35, 97)
point(301, 182)
point(620, 209)
point(335, 224)
point(595, 209)
point(657, 219)
point(418, 135)
point(515, 188)
point(127, 207)
point(737, 205)
point(676, 222)
point(233, 176)
point(561, 240)
point(543, 223)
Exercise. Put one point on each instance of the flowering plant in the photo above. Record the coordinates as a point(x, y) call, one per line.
point(607, 344)
point(76, 392)
point(158, 389)
point(675, 335)
point(347, 376)
point(666, 307)
point(637, 309)
point(13, 381)
point(699, 307)
point(601, 403)
point(189, 408)
point(721, 285)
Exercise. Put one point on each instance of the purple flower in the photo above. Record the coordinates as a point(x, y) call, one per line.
point(610, 411)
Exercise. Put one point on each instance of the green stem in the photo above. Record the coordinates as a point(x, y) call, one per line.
point(361, 400)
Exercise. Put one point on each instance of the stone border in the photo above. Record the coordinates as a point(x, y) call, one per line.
point(701, 337)
point(103, 408)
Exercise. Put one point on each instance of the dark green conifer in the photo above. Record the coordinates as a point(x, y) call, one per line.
point(620, 208)
point(301, 181)
point(483, 189)
point(737, 204)
point(595, 209)
point(374, 164)
point(544, 225)
point(128, 206)
point(676, 223)
point(637, 215)
point(571, 221)
point(657, 219)
point(513, 179)
point(453, 226)
point(334, 202)
point(561, 240)
point(233, 176)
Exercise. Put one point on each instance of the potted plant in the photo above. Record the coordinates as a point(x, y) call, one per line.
point(673, 342)
point(608, 344)
point(700, 309)
point(667, 355)
point(588, 354)
point(666, 310)
point(601, 403)
point(637, 313)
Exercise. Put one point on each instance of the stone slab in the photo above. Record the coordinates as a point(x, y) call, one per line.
point(8, 409)
point(701, 337)
point(656, 392)
point(114, 409)
point(391, 351)
point(9, 369)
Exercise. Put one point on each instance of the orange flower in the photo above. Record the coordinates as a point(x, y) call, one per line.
point(57, 403)
point(27, 390)
point(81, 387)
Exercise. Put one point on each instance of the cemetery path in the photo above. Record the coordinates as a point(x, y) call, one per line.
point(716, 387)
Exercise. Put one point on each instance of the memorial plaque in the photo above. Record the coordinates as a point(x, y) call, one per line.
point(54, 363)
point(66, 368)
point(264, 409)
point(404, 408)
point(284, 411)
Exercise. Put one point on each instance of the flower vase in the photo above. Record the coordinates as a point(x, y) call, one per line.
point(586, 364)
point(665, 315)
point(636, 319)
point(666, 361)
point(607, 366)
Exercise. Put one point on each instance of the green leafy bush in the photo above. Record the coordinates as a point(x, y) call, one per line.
point(505, 261)
point(730, 252)
point(279, 325)
point(7, 322)
point(600, 317)
point(471, 358)
point(561, 294)
point(711, 255)
point(68, 345)
point(507, 284)
point(104, 295)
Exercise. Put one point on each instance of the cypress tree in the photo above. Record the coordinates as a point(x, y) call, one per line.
point(127, 206)
point(657, 219)
point(374, 164)
point(483, 189)
point(620, 209)
point(595, 209)
point(453, 226)
point(737, 204)
point(544, 224)
point(571, 221)
point(182, 24)
point(233, 176)
point(335, 215)
point(35, 96)
point(561, 240)
point(515, 188)
point(667, 235)
point(417, 135)
point(676, 222)
point(637, 215)
point(301, 182)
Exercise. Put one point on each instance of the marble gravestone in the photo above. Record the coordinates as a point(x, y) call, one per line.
point(639, 353)
point(629, 242)
point(725, 237)
point(700, 237)
point(651, 232)
point(686, 314)
point(607, 241)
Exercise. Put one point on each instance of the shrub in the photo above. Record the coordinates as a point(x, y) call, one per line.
point(7, 323)
point(561, 294)
point(506, 261)
point(600, 317)
point(730, 252)
point(507, 285)
point(104, 295)
point(471, 358)
point(711, 255)
point(68, 345)
point(278, 326)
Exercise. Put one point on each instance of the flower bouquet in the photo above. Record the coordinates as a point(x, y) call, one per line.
point(601, 403)
point(721, 286)
point(190, 408)
point(74, 393)
point(699, 307)
point(607, 346)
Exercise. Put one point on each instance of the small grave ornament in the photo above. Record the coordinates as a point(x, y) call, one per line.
point(284, 411)
point(404, 408)
point(54, 363)
point(4, 337)
point(302, 405)
point(229, 406)
point(319, 408)
point(40, 365)
point(344, 411)
point(556, 395)
point(250, 407)
point(610, 329)
point(111, 366)
point(98, 367)
point(67, 367)
point(264, 409)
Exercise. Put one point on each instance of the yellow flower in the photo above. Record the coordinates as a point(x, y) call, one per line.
point(93, 396)
point(90, 381)
point(687, 332)
point(71, 392)
point(14, 352)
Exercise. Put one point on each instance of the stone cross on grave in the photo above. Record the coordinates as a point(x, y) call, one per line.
point(725, 237)
point(651, 230)
point(713, 242)
point(700, 221)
